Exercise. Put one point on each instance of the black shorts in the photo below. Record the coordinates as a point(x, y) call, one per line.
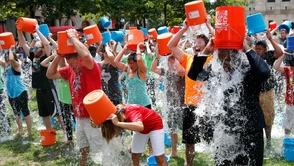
point(20, 104)
point(190, 129)
point(45, 102)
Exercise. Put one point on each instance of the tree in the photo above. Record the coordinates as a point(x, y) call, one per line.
point(9, 9)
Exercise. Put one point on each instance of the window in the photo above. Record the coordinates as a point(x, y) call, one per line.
point(253, 8)
point(286, 7)
point(249, 8)
point(271, 0)
point(270, 8)
point(285, 0)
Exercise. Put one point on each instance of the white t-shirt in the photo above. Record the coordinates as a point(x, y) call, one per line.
point(97, 58)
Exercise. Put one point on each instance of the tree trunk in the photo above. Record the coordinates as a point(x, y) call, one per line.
point(164, 13)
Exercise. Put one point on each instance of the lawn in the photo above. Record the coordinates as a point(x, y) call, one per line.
point(29, 151)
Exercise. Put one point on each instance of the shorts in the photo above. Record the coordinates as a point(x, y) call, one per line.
point(190, 129)
point(266, 100)
point(175, 117)
point(45, 102)
point(87, 136)
point(288, 123)
point(140, 140)
point(20, 104)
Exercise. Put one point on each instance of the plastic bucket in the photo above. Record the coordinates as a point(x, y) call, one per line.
point(151, 161)
point(106, 37)
point(132, 27)
point(98, 106)
point(48, 137)
point(290, 43)
point(255, 24)
point(26, 24)
point(162, 41)
point(272, 25)
point(117, 36)
point(176, 29)
point(289, 149)
point(92, 34)
point(145, 32)
point(105, 22)
point(162, 30)
point(152, 33)
point(286, 25)
point(6, 40)
point(135, 37)
point(44, 29)
point(195, 13)
point(229, 27)
point(65, 46)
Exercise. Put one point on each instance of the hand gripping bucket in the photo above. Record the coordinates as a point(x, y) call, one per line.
point(117, 36)
point(286, 25)
point(195, 13)
point(162, 41)
point(135, 37)
point(272, 25)
point(6, 40)
point(65, 46)
point(152, 33)
point(151, 161)
point(229, 27)
point(162, 30)
point(106, 37)
point(290, 43)
point(105, 22)
point(92, 34)
point(176, 29)
point(255, 24)
point(44, 29)
point(26, 24)
point(289, 149)
point(48, 137)
point(98, 106)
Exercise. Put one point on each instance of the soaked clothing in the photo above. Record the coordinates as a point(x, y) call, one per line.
point(14, 85)
point(270, 60)
point(289, 74)
point(110, 83)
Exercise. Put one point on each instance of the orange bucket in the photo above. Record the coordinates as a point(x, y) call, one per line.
point(6, 40)
point(229, 27)
point(162, 41)
point(152, 33)
point(65, 46)
point(92, 34)
point(26, 24)
point(132, 27)
point(195, 13)
point(135, 37)
point(48, 137)
point(98, 106)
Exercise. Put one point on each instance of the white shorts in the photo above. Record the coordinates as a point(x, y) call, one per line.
point(87, 135)
point(289, 117)
point(139, 142)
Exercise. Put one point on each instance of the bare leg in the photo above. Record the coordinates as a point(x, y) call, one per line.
point(174, 143)
point(19, 124)
point(161, 160)
point(29, 122)
point(190, 153)
point(84, 154)
point(150, 148)
point(47, 122)
point(136, 158)
point(268, 132)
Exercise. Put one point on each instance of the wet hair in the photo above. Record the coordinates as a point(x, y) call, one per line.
point(205, 38)
point(14, 55)
point(133, 57)
point(73, 55)
point(261, 43)
point(92, 50)
point(87, 22)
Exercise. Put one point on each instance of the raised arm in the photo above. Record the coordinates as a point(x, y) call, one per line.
point(45, 62)
point(208, 24)
point(141, 65)
point(52, 71)
point(44, 41)
point(82, 50)
point(53, 42)
point(108, 54)
point(14, 63)
point(278, 63)
point(148, 50)
point(117, 60)
point(154, 64)
point(23, 43)
point(134, 126)
point(278, 51)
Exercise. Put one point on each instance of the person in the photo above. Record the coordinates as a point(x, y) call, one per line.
point(174, 92)
point(240, 77)
point(267, 89)
point(84, 76)
point(191, 132)
point(16, 91)
point(145, 123)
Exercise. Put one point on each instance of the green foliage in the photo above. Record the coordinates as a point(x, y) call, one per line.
point(9, 9)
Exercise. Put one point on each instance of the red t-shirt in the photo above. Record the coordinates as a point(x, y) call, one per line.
point(150, 119)
point(289, 74)
point(80, 85)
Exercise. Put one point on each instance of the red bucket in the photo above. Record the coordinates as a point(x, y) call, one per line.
point(272, 25)
point(229, 27)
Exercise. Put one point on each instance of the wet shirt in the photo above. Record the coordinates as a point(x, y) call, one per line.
point(150, 119)
point(269, 58)
point(289, 74)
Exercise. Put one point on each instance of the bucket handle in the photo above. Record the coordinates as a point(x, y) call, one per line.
point(227, 25)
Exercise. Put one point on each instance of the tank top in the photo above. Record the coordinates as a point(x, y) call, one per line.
point(137, 93)
point(14, 84)
point(110, 84)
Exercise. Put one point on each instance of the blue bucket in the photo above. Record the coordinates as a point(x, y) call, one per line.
point(151, 161)
point(290, 43)
point(289, 149)
point(167, 140)
point(106, 37)
point(44, 29)
point(117, 35)
point(105, 22)
point(286, 25)
point(145, 32)
point(255, 24)
point(162, 30)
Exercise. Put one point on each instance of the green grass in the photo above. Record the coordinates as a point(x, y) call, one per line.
point(20, 151)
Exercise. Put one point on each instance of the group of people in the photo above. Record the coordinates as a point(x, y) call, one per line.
point(234, 89)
